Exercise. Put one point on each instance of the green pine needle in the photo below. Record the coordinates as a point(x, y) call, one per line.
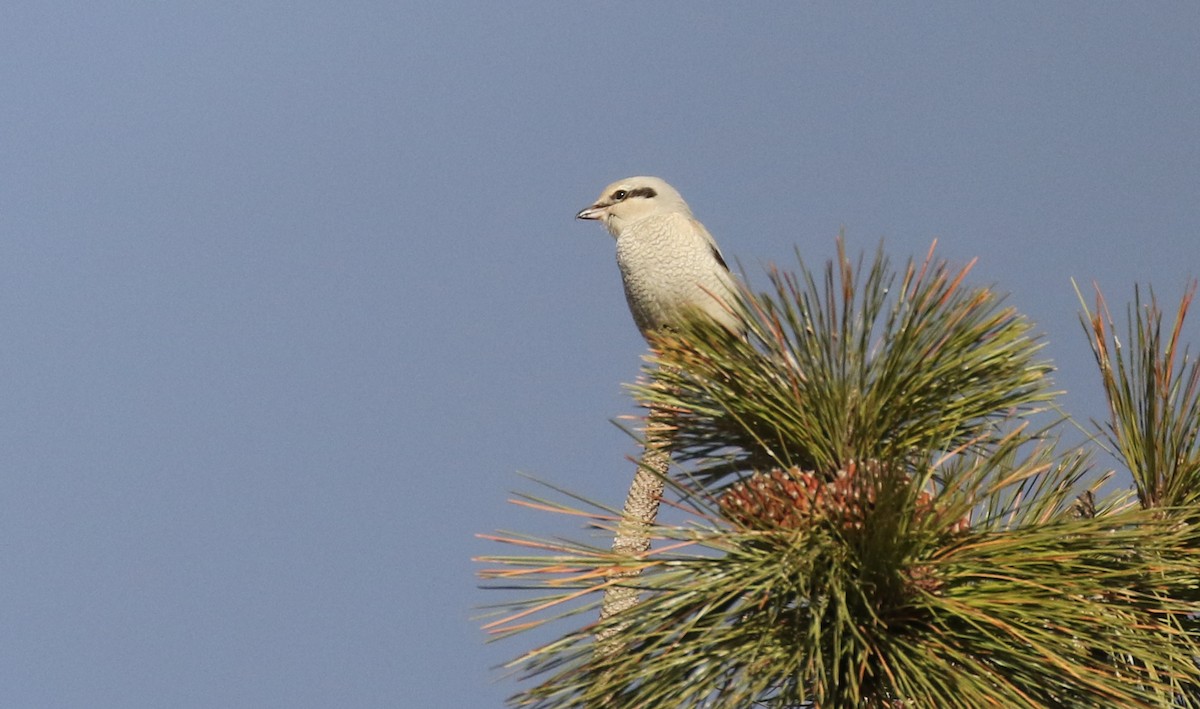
point(1153, 389)
point(870, 512)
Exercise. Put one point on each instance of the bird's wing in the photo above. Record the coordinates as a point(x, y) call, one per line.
point(708, 238)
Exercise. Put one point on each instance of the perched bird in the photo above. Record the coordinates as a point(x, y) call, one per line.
point(670, 264)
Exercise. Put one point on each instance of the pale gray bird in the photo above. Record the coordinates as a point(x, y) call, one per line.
point(670, 264)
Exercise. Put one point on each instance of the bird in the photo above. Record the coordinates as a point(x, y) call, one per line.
point(670, 265)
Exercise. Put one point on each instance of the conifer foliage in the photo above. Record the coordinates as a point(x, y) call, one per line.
point(869, 506)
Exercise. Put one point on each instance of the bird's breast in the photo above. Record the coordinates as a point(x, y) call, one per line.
point(668, 267)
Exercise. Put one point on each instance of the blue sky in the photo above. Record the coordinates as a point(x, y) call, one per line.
point(291, 291)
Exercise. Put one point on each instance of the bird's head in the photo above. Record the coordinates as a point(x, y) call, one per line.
point(627, 201)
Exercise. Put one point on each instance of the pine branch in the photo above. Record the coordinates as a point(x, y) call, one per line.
point(875, 514)
point(1153, 390)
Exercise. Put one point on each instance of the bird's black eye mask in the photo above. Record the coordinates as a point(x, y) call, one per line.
point(622, 195)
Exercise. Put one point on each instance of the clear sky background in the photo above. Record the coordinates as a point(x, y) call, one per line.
point(289, 292)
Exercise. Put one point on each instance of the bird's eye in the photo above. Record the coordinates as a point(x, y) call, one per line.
point(619, 195)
